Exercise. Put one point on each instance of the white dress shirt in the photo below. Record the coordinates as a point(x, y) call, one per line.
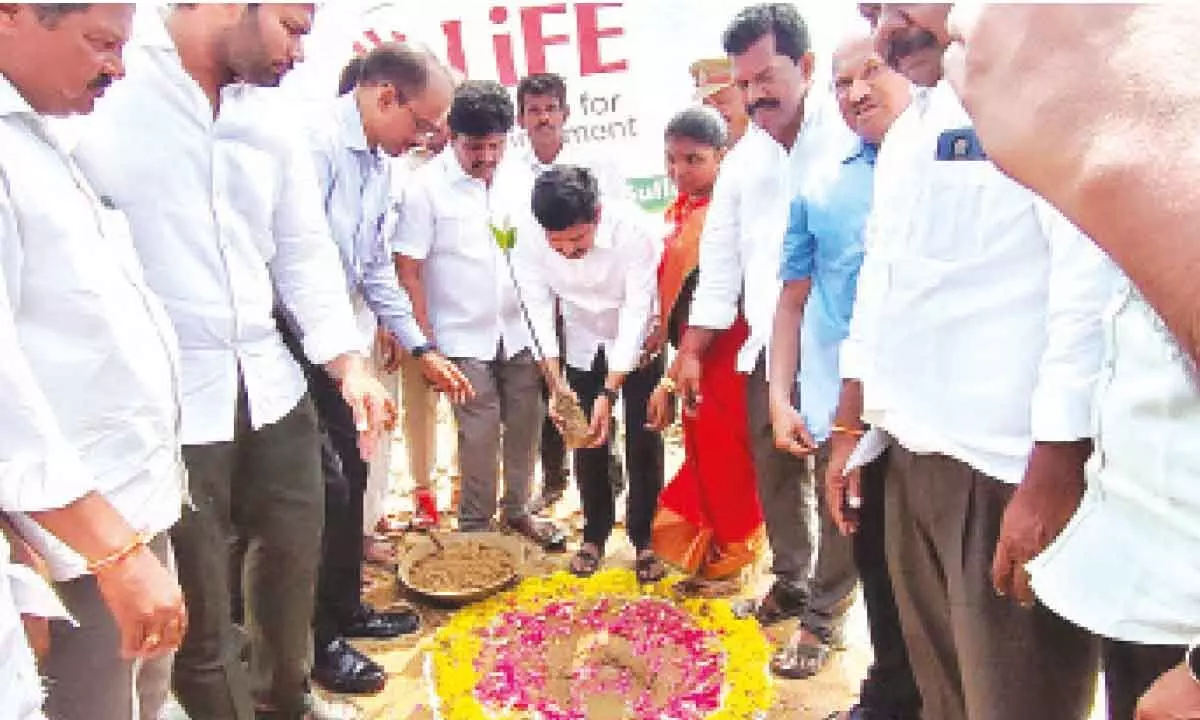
point(444, 222)
point(976, 329)
point(226, 215)
point(522, 165)
point(90, 372)
point(1126, 565)
point(608, 296)
point(22, 592)
point(742, 241)
point(356, 186)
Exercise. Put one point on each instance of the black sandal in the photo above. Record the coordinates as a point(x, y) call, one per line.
point(586, 561)
point(649, 568)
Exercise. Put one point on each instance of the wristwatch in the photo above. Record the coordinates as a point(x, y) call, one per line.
point(1192, 660)
point(423, 348)
point(611, 394)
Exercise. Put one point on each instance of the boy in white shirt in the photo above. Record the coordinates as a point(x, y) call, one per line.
point(603, 270)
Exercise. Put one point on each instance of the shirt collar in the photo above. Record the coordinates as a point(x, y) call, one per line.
point(11, 100)
point(453, 168)
point(156, 35)
point(864, 151)
point(350, 123)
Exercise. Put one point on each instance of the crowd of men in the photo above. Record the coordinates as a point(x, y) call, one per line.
point(971, 404)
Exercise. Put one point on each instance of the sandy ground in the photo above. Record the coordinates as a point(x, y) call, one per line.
point(405, 697)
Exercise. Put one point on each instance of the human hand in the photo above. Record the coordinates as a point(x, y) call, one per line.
point(791, 434)
point(601, 421)
point(1174, 696)
point(660, 409)
point(146, 602)
point(1040, 508)
point(443, 374)
point(843, 490)
point(390, 350)
point(685, 372)
point(373, 408)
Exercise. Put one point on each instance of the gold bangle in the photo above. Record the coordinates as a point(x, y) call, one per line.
point(852, 432)
point(137, 543)
point(668, 385)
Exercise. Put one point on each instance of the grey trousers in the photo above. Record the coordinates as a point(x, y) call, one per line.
point(265, 488)
point(785, 490)
point(831, 592)
point(974, 655)
point(503, 420)
point(86, 675)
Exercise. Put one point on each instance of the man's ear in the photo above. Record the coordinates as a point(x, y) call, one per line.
point(386, 96)
point(598, 209)
point(566, 112)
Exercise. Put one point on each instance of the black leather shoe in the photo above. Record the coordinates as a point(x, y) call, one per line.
point(368, 623)
point(340, 668)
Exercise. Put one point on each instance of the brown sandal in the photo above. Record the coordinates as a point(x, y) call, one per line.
point(586, 561)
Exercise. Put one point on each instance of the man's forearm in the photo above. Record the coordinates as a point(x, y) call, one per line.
point(409, 272)
point(347, 364)
point(696, 340)
point(850, 405)
point(614, 380)
point(785, 340)
point(90, 526)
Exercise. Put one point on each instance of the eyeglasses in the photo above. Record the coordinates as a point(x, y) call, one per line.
point(424, 126)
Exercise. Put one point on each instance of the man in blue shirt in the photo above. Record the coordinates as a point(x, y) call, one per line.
point(822, 253)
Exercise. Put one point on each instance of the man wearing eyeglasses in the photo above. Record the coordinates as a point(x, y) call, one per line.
point(401, 96)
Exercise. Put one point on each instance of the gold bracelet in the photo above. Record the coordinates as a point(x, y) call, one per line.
point(668, 385)
point(137, 543)
point(852, 432)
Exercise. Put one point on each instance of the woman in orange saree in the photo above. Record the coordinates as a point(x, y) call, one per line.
point(709, 522)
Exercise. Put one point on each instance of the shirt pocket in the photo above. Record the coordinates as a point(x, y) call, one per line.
point(951, 227)
point(462, 234)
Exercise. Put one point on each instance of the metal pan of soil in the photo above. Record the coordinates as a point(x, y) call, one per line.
point(460, 568)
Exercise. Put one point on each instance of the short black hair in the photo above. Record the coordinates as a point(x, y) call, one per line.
point(782, 20)
point(481, 107)
point(396, 64)
point(565, 196)
point(701, 124)
point(547, 84)
point(348, 80)
point(48, 14)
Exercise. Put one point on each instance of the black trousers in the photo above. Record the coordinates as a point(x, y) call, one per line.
point(643, 456)
point(889, 685)
point(339, 579)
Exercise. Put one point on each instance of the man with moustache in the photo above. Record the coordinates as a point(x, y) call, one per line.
point(974, 346)
point(90, 472)
point(739, 255)
point(225, 214)
point(463, 293)
point(1115, 556)
point(542, 113)
point(400, 94)
point(821, 258)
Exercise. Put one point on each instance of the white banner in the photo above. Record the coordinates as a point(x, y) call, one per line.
point(625, 63)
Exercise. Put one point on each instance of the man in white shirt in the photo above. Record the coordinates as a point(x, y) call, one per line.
point(976, 338)
point(89, 437)
point(226, 216)
point(542, 114)
point(601, 264)
point(740, 249)
point(400, 95)
point(1124, 565)
point(463, 283)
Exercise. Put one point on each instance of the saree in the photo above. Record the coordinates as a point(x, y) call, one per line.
point(709, 521)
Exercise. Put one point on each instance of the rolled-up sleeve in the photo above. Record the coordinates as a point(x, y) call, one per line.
point(715, 302)
point(415, 223)
point(798, 245)
point(1082, 282)
point(39, 469)
point(641, 290)
point(530, 272)
point(306, 265)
